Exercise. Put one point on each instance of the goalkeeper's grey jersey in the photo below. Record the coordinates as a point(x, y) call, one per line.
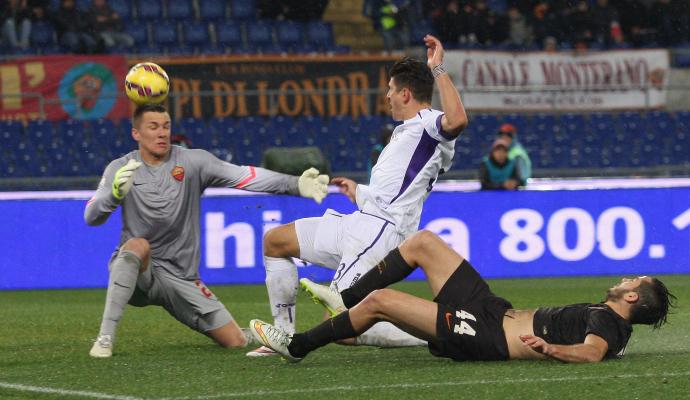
point(163, 203)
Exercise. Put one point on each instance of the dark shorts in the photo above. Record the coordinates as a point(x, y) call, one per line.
point(469, 324)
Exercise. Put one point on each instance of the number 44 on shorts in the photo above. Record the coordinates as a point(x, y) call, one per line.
point(463, 328)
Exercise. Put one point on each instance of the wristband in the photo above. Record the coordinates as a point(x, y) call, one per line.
point(438, 70)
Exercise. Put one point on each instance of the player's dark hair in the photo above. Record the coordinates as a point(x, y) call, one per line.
point(144, 108)
point(653, 304)
point(414, 75)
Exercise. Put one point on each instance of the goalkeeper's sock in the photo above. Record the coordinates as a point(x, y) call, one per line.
point(336, 328)
point(385, 334)
point(393, 268)
point(123, 279)
point(282, 285)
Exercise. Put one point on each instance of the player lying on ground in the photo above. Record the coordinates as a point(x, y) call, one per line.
point(466, 321)
point(159, 188)
point(389, 208)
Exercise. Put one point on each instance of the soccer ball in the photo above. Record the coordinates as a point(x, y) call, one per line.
point(147, 83)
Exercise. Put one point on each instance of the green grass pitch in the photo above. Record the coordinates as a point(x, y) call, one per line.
point(45, 337)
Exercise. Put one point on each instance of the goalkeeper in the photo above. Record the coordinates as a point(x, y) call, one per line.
point(159, 187)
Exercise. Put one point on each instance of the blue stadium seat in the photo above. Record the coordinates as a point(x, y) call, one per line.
point(484, 124)
point(83, 5)
point(39, 130)
point(138, 31)
point(229, 34)
point(573, 123)
point(242, 9)
point(499, 6)
point(42, 34)
point(259, 35)
point(148, 10)
point(212, 10)
point(11, 130)
point(218, 126)
point(149, 49)
point(123, 8)
point(320, 34)
point(419, 30)
point(289, 34)
point(632, 124)
point(179, 10)
point(104, 124)
point(182, 50)
point(195, 33)
point(52, 50)
point(165, 34)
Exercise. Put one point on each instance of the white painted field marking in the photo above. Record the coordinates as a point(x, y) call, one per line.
point(105, 396)
point(65, 392)
point(423, 385)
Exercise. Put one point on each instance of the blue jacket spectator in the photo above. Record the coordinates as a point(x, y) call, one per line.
point(516, 153)
point(497, 172)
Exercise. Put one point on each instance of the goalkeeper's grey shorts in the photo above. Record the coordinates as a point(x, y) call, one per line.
point(190, 302)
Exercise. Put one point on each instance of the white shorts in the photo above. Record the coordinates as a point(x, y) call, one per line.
point(350, 244)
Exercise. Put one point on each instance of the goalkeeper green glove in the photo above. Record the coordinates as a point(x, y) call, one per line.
point(313, 185)
point(124, 177)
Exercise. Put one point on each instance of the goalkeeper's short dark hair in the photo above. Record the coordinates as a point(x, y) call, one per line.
point(144, 108)
point(414, 75)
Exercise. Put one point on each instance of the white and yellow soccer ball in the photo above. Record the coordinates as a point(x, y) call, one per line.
point(147, 83)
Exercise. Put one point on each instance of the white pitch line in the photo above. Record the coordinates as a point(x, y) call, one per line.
point(105, 396)
point(65, 392)
point(423, 385)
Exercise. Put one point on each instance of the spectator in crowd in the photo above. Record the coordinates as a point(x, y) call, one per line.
point(545, 22)
point(633, 20)
point(581, 23)
point(520, 31)
point(389, 18)
point(450, 23)
point(497, 171)
point(481, 29)
point(38, 9)
point(516, 152)
point(604, 16)
point(392, 25)
point(550, 44)
point(386, 134)
point(666, 18)
point(73, 29)
point(297, 10)
point(16, 15)
point(107, 26)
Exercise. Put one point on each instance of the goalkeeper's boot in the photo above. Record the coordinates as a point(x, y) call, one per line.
point(102, 347)
point(324, 295)
point(262, 351)
point(275, 338)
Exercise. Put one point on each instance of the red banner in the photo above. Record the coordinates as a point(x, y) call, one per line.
point(62, 87)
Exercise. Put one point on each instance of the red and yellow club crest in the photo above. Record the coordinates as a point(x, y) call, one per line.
point(178, 173)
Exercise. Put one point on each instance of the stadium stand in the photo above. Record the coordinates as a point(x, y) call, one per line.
point(555, 141)
point(569, 142)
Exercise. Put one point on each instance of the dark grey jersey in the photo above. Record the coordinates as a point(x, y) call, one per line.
point(163, 203)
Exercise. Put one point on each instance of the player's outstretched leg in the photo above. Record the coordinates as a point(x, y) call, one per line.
point(328, 297)
point(281, 280)
point(124, 271)
point(273, 338)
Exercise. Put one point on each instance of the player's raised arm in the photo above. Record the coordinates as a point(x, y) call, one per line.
point(454, 119)
point(217, 173)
